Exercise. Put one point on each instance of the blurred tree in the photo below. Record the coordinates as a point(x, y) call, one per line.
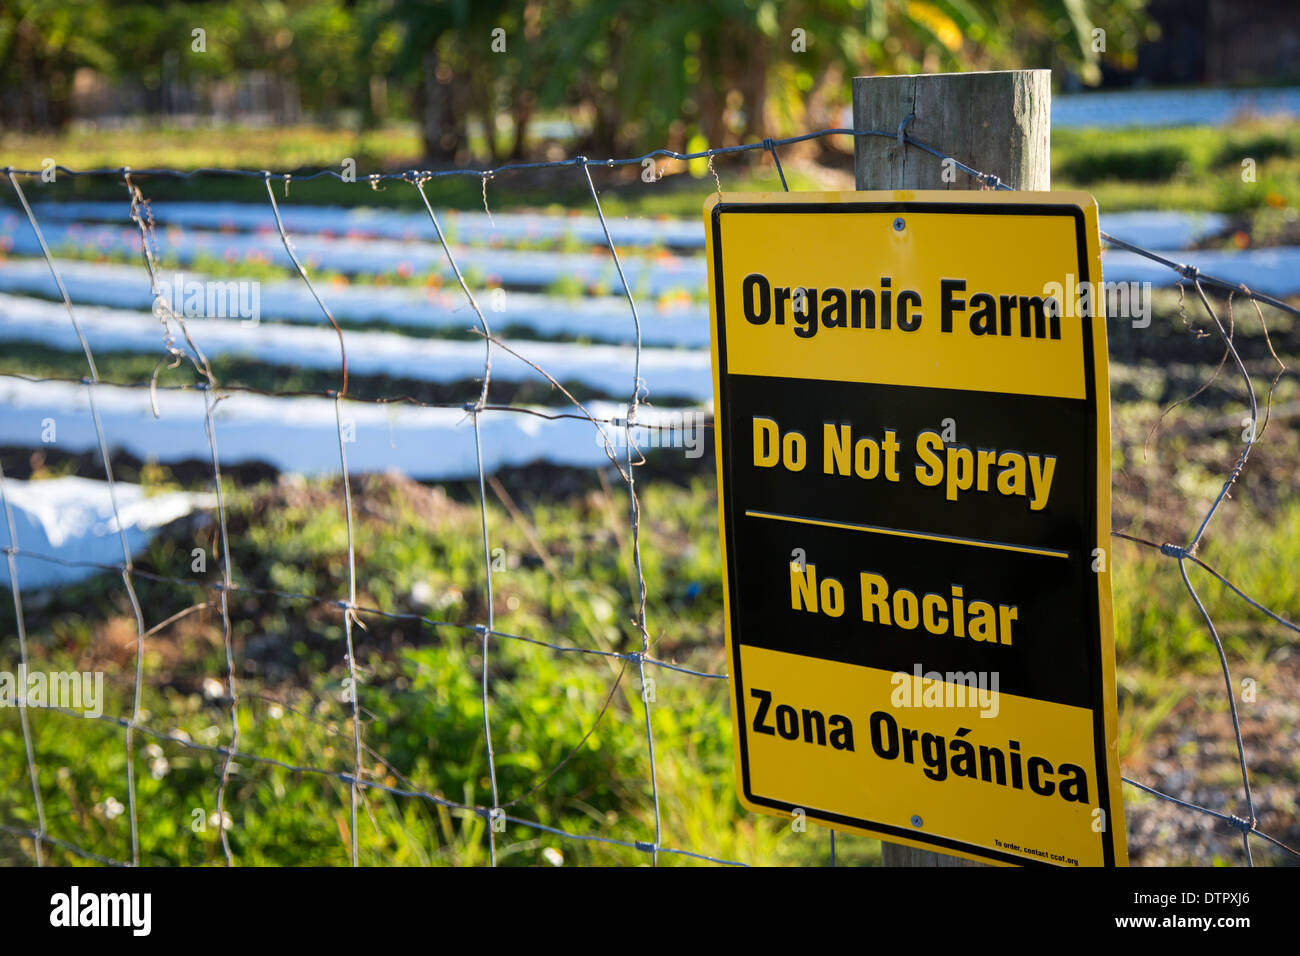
point(416, 29)
point(723, 71)
point(42, 44)
point(737, 70)
point(308, 47)
point(460, 69)
point(627, 74)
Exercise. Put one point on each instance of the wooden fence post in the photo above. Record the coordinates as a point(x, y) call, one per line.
point(995, 122)
point(998, 122)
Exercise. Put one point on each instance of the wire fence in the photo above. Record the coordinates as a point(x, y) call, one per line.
point(352, 613)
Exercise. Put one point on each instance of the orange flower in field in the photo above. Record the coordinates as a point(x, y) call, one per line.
point(405, 270)
point(1240, 239)
point(433, 280)
point(1275, 200)
point(340, 281)
point(232, 256)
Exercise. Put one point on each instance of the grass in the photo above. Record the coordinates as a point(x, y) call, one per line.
point(564, 574)
point(1157, 625)
point(309, 148)
point(256, 266)
point(1192, 168)
point(565, 577)
point(228, 147)
point(1195, 168)
point(238, 372)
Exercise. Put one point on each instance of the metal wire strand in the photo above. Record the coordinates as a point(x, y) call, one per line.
point(127, 582)
point(634, 506)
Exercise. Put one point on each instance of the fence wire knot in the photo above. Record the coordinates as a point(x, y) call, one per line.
point(903, 126)
point(1172, 550)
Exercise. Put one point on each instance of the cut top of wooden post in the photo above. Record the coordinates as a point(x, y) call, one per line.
point(995, 122)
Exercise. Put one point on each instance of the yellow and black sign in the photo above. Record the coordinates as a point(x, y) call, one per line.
point(913, 422)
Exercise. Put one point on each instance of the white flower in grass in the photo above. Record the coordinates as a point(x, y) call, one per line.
point(553, 856)
point(213, 689)
point(112, 808)
point(215, 821)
